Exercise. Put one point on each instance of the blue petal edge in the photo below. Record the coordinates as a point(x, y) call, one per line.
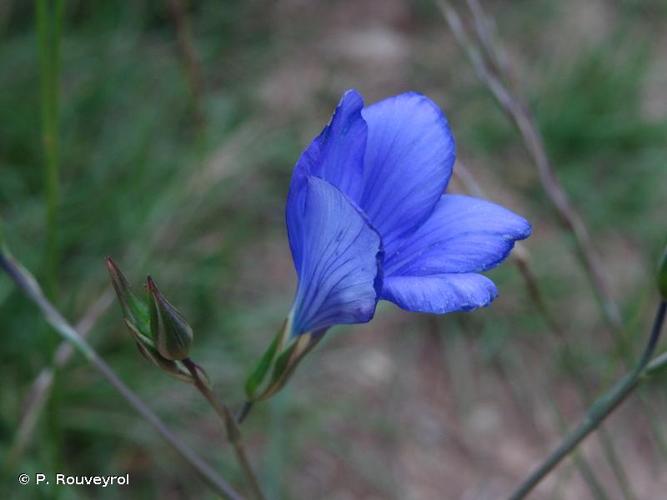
point(440, 294)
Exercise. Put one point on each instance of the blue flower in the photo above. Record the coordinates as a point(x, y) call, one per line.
point(367, 218)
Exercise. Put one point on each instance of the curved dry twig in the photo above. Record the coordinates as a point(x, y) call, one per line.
point(568, 217)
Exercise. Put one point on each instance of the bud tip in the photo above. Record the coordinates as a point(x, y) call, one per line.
point(172, 333)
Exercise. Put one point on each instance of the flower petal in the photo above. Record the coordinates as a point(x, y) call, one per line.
point(409, 157)
point(463, 235)
point(336, 155)
point(440, 294)
point(338, 259)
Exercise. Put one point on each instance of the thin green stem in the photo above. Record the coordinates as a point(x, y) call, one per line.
point(609, 451)
point(48, 19)
point(558, 335)
point(599, 411)
point(24, 280)
point(49, 16)
point(231, 427)
point(581, 463)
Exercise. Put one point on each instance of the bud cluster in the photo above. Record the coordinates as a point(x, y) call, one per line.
point(162, 334)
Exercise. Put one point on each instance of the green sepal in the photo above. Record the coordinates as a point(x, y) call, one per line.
point(173, 368)
point(135, 310)
point(260, 371)
point(280, 359)
point(172, 334)
point(287, 362)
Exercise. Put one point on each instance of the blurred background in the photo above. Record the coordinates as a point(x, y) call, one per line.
point(179, 124)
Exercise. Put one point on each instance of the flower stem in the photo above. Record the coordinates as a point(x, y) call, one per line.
point(600, 410)
point(231, 427)
point(27, 284)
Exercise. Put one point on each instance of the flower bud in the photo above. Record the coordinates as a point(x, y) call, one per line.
point(134, 309)
point(172, 334)
point(138, 319)
point(662, 275)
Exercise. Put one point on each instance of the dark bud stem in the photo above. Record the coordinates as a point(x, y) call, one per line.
point(244, 411)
